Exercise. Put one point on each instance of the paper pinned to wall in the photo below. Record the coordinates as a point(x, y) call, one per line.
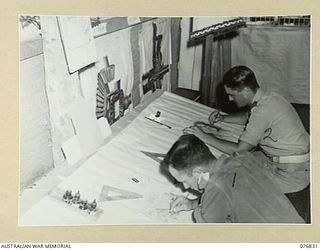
point(145, 37)
point(78, 41)
point(116, 46)
point(146, 47)
point(88, 89)
point(155, 56)
point(133, 20)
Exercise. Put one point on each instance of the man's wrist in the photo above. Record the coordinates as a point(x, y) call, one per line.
point(194, 203)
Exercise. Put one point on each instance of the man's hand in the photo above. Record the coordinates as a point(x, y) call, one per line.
point(196, 131)
point(215, 116)
point(181, 203)
point(201, 131)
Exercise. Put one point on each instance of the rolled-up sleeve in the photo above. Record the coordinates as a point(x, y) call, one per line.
point(259, 121)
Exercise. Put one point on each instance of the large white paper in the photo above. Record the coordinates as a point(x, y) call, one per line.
point(78, 41)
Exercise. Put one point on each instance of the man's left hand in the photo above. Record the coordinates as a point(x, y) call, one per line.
point(201, 131)
point(196, 131)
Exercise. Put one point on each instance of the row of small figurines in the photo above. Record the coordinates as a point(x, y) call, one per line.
point(82, 204)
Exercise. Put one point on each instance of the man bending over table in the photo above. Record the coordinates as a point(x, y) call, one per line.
point(232, 189)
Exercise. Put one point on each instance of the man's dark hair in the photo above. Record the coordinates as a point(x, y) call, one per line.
point(186, 153)
point(239, 77)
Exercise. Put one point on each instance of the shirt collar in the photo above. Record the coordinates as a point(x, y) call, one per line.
point(216, 166)
point(258, 96)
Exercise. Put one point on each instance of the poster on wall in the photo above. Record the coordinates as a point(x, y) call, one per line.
point(79, 52)
point(155, 56)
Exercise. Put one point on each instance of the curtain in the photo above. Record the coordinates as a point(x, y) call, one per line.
point(279, 57)
point(221, 62)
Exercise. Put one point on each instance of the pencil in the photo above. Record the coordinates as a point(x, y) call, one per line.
point(158, 122)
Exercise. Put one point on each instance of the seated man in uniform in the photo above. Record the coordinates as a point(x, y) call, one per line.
point(271, 123)
point(232, 189)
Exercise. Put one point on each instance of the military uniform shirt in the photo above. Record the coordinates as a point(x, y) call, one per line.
point(275, 126)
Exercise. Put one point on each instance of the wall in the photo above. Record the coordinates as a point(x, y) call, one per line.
point(35, 144)
point(175, 45)
point(62, 88)
point(190, 60)
point(35, 139)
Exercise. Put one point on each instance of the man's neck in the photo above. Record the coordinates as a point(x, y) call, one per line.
point(209, 170)
point(255, 95)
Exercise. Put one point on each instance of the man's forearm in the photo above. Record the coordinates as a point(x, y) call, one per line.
point(222, 145)
point(238, 118)
point(228, 147)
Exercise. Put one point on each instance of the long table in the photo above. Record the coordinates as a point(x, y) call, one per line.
point(121, 165)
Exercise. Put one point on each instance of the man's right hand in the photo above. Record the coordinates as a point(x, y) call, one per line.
point(181, 203)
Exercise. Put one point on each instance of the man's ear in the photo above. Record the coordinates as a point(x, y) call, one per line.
point(246, 91)
point(197, 171)
point(200, 174)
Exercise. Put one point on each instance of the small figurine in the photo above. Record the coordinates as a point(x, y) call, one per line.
point(76, 198)
point(84, 205)
point(92, 206)
point(67, 197)
point(80, 203)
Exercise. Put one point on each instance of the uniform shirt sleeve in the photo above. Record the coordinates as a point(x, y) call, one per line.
point(259, 121)
point(215, 207)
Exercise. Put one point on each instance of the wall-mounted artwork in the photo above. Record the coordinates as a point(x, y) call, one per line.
point(155, 75)
point(110, 105)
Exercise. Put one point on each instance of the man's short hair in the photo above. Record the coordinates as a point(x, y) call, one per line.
point(187, 153)
point(240, 77)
